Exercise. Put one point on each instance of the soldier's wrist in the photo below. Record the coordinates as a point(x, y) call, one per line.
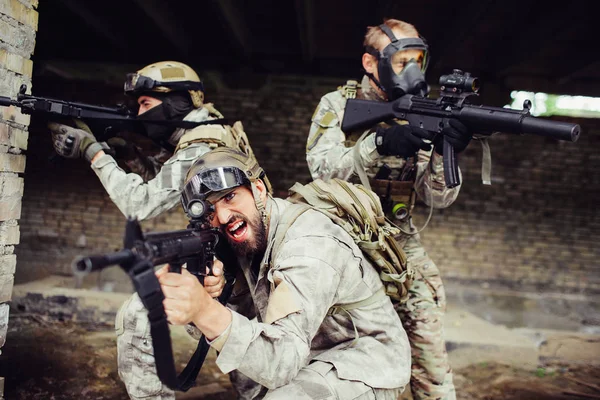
point(93, 149)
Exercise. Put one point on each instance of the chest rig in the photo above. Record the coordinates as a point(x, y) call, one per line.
point(391, 178)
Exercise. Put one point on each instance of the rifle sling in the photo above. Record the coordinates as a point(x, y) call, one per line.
point(148, 288)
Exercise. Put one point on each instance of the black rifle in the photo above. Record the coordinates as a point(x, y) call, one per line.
point(195, 246)
point(105, 122)
point(433, 115)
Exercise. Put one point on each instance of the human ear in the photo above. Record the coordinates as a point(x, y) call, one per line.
point(262, 190)
point(369, 63)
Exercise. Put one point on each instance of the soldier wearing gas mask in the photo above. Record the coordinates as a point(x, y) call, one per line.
point(401, 162)
point(167, 93)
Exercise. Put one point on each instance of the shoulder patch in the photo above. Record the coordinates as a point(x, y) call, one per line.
point(282, 303)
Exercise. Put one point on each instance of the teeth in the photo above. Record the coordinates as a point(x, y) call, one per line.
point(236, 226)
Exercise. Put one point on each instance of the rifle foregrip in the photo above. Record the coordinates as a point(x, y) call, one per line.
point(451, 176)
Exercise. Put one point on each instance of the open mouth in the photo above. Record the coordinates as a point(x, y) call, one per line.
point(237, 230)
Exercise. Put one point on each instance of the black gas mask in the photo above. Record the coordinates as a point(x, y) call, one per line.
point(411, 80)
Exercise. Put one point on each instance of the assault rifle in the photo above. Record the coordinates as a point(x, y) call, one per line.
point(195, 246)
point(105, 122)
point(433, 115)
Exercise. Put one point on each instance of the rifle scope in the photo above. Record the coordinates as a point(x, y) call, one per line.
point(459, 81)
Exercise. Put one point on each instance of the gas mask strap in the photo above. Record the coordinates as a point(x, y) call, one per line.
point(386, 29)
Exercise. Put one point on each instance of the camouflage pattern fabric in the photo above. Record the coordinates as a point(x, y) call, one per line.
point(330, 154)
point(422, 315)
point(319, 380)
point(142, 199)
point(135, 354)
point(289, 344)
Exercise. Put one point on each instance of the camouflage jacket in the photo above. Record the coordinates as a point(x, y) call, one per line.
point(288, 319)
point(142, 199)
point(330, 154)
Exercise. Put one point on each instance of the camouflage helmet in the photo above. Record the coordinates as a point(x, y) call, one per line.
point(218, 172)
point(165, 77)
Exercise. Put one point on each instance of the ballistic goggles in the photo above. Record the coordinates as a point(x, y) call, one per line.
point(136, 83)
point(200, 186)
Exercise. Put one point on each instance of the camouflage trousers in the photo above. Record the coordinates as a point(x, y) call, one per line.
point(137, 369)
point(319, 380)
point(422, 315)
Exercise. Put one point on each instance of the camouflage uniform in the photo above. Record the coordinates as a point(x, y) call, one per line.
point(153, 189)
point(138, 197)
point(331, 154)
point(286, 340)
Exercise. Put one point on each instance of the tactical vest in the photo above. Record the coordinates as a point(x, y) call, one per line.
point(392, 178)
point(218, 135)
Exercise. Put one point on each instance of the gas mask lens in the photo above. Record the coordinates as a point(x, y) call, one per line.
point(400, 60)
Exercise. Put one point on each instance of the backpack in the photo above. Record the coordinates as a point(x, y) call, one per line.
point(358, 211)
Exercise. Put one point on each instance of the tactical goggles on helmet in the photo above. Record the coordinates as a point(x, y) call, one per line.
point(206, 182)
point(136, 83)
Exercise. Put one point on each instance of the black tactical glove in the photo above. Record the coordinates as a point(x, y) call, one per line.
point(402, 140)
point(72, 142)
point(457, 134)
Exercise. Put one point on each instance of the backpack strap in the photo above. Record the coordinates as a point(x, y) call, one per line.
point(289, 216)
point(345, 308)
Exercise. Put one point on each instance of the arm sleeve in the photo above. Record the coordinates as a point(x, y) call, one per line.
point(430, 184)
point(143, 200)
point(272, 352)
point(326, 152)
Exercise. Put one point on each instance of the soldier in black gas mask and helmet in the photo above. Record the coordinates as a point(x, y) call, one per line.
point(400, 162)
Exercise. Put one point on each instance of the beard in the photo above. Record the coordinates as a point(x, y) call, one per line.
point(255, 245)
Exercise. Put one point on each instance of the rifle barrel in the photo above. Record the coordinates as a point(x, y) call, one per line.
point(513, 121)
point(6, 101)
point(85, 265)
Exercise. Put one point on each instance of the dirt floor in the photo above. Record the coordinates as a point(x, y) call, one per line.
point(62, 360)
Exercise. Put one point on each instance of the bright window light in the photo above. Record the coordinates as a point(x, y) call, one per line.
point(543, 104)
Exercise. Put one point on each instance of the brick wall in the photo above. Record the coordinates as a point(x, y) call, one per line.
point(18, 25)
point(533, 228)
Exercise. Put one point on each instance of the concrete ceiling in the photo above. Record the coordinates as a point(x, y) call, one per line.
point(510, 44)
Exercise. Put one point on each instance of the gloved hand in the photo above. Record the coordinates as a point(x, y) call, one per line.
point(457, 134)
point(72, 142)
point(402, 140)
point(121, 148)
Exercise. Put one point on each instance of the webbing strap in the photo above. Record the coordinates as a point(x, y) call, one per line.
point(286, 220)
point(359, 168)
point(486, 162)
point(148, 288)
point(345, 308)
